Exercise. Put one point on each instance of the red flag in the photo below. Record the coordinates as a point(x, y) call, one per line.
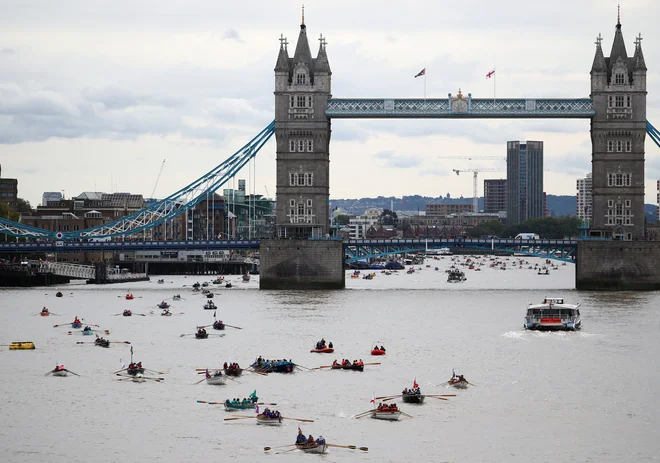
point(415, 385)
point(421, 73)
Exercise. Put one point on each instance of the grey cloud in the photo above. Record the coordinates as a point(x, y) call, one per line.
point(232, 34)
point(119, 98)
point(398, 160)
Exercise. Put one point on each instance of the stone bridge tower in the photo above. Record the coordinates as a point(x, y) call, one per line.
point(618, 131)
point(302, 134)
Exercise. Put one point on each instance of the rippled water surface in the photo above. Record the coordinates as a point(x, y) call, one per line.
point(584, 396)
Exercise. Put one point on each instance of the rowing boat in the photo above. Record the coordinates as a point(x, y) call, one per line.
point(458, 383)
point(236, 371)
point(58, 294)
point(45, 313)
point(388, 415)
point(76, 325)
point(325, 350)
point(88, 332)
point(263, 419)
point(377, 352)
point(218, 325)
point(62, 372)
point(413, 398)
point(313, 448)
point(216, 379)
point(235, 406)
point(203, 335)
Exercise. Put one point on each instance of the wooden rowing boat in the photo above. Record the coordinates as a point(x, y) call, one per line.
point(325, 350)
point(216, 379)
point(262, 419)
point(234, 406)
point(313, 448)
point(61, 372)
point(233, 371)
point(458, 383)
point(201, 335)
point(388, 415)
point(413, 398)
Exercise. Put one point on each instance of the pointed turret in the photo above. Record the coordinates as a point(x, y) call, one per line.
point(638, 59)
point(282, 64)
point(303, 54)
point(322, 64)
point(618, 46)
point(599, 64)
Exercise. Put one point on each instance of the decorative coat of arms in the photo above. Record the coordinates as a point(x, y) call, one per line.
point(459, 104)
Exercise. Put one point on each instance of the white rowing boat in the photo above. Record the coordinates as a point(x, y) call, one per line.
point(138, 378)
point(314, 448)
point(60, 373)
point(217, 379)
point(262, 419)
point(389, 415)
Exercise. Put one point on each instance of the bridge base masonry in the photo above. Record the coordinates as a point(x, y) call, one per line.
point(618, 265)
point(301, 264)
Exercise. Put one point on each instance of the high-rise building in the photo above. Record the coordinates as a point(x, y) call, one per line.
point(8, 190)
point(618, 131)
point(584, 199)
point(494, 196)
point(524, 181)
point(51, 196)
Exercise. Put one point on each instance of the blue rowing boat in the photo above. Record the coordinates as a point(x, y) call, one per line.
point(88, 332)
point(76, 325)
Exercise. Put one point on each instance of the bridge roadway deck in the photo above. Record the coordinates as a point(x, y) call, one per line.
point(123, 246)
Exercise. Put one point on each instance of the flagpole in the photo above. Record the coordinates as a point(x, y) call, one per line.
point(424, 85)
point(494, 84)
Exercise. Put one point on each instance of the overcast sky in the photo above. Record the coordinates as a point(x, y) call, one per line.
point(94, 95)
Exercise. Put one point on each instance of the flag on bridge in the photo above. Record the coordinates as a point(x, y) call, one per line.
point(421, 73)
point(490, 74)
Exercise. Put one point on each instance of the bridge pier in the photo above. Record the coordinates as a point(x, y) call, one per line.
point(617, 265)
point(301, 264)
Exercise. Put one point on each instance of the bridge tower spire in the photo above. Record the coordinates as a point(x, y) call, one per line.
point(618, 132)
point(302, 133)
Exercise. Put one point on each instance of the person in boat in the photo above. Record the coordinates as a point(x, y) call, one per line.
point(87, 328)
point(382, 348)
point(330, 345)
point(201, 331)
point(405, 391)
point(320, 440)
point(44, 310)
point(310, 440)
point(335, 363)
point(361, 363)
point(300, 438)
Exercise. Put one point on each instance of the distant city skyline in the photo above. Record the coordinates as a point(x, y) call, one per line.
point(93, 99)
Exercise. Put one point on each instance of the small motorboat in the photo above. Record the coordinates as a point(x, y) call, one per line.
point(325, 350)
point(129, 297)
point(268, 421)
point(135, 369)
point(218, 281)
point(313, 448)
point(127, 313)
point(176, 297)
point(205, 284)
point(412, 397)
point(59, 294)
point(216, 379)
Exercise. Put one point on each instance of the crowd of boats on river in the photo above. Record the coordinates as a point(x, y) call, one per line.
point(551, 313)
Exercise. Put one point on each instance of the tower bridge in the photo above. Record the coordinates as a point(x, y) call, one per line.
point(304, 109)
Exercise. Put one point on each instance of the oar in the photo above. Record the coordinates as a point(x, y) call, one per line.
point(156, 372)
point(364, 413)
point(237, 327)
point(205, 326)
point(404, 413)
point(71, 372)
point(471, 384)
point(62, 324)
point(298, 419)
point(239, 418)
point(200, 381)
point(120, 342)
point(373, 363)
point(362, 416)
point(48, 373)
point(322, 366)
point(286, 451)
point(388, 397)
point(278, 447)
point(209, 369)
point(440, 395)
point(434, 397)
point(352, 447)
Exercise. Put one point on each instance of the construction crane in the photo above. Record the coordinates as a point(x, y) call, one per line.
point(470, 158)
point(158, 178)
point(475, 172)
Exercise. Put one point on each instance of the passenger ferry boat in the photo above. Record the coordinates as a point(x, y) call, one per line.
point(553, 314)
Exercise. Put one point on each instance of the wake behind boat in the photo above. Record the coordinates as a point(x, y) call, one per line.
point(553, 314)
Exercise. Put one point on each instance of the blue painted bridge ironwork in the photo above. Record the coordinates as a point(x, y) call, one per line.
point(355, 250)
point(359, 250)
point(460, 107)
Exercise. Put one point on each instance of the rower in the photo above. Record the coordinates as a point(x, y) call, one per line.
point(300, 438)
point(310, 439)
point(330, 344)
point(320, 440)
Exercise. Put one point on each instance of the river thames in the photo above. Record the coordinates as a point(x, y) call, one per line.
point(538, 397)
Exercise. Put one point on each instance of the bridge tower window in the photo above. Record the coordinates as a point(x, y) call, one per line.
point(619, 78)
point(300, 102)
point(292, 146)
point(301, 78)
point(618, 101)
point(292, 101)
point(310, 146)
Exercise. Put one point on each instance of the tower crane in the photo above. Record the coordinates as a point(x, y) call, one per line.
point(158, 178)
point(475, 172)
